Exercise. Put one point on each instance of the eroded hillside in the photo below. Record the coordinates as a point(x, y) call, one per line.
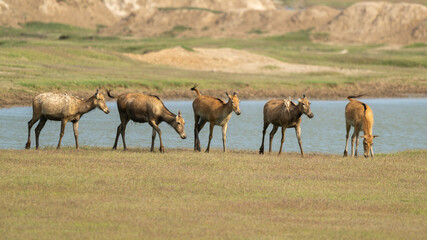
point(365, 22)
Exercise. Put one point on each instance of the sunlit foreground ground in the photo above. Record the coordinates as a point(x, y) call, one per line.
point(96, 193)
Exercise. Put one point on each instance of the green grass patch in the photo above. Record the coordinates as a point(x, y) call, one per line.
point(416, 45)
point(101, 193)
point(190, 8)
point(51, 27)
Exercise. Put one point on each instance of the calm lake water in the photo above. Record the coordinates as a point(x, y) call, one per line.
point(401, 124)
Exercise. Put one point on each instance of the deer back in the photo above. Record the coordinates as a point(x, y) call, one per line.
point(209, 108)
point(275, 112)
point(56, 106)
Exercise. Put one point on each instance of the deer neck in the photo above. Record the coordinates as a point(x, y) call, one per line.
point(87, 105)
point(367, 127)
point(295, 113)
point(227, 108)
point(168, 117)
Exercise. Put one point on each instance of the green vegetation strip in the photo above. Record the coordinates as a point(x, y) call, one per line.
point(56, 57)
point(96, 193)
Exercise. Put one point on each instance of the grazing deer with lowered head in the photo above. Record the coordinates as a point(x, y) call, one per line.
point(216, 112)
point(285, 114)
point(143, 108)
point(360, 116)
point(64, 108)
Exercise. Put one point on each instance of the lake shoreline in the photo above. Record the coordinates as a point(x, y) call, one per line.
point(371, 90)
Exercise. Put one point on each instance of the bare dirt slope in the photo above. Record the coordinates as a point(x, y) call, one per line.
point(82, 13)
point(373, 22)
point(243, 23)
point(364, 22)
point(226, 60)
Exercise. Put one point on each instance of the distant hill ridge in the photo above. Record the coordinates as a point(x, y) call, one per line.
point(364, 22)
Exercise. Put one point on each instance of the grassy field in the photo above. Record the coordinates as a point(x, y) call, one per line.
point(55, 57)
point(97, 193)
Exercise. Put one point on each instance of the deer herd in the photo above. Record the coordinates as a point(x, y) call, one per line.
point(142, 108)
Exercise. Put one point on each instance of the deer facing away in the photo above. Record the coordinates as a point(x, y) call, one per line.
point(64, 108)
point(143, 108)
point(216, 112)
point(360, 116)
point(285, 114)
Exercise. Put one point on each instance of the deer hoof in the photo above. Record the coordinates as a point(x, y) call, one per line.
point(27, 146)
point(345, 154)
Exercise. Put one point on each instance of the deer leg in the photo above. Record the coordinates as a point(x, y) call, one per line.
point(153, 137)
point(357, 143)
point(157, 129)
point(61, 134)
point(117, 136)
point(224, 136)
point(30, 125)
point(273, 131)
point(39, 129)
point(123, 133)
point(76, 133)
point(211, 126)
point(264, 129)
point(282, 140)
point(347, 127)
point(196, 131)
point(200, 127)
point(352, 140)
point(298, 133)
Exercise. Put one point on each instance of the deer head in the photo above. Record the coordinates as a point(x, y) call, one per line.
point(99, 102)
point(304, 106)
point(234, 101)
point(178, 125)
point(368, 141)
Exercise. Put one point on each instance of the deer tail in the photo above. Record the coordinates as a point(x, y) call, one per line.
point(109, 93)
point(195, 89)
point(358, 96)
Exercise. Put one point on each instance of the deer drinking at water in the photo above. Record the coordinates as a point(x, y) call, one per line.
point(143, 108)
point(360, 116)
point(285, 114)
point(216, 112)
point(64, 108)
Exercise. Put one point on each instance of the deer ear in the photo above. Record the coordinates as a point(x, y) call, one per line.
point(299, 99)
point(226, 93)
point(179, 113)
point(234, 94)
point(97, 91)
point(376, 136)
point(303, 96)
point(362, 136)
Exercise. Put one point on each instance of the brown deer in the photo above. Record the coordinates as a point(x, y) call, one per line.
point(64, 108)
point(285, 114)
point(214, 110)
point(143, 108)
point(360, 116)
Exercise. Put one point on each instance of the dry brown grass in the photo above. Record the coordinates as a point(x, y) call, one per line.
point(97, 193)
